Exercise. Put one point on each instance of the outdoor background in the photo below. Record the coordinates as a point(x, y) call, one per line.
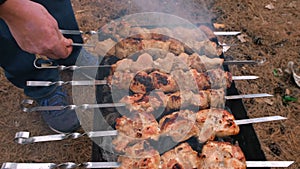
point(270, 32)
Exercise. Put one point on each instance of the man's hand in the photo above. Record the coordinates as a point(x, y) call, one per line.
point(34, 29)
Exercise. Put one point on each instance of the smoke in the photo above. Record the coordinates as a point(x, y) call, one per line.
point(196, 11)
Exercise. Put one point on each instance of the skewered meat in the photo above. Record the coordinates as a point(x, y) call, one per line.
point(203, 63)
point(179, 125)
point(143, 82)
point(148, 44)
point(221, 155)
point(127, 47)
point(208, 32)
point(215, 122)
point(172, 62)
point(205, 125)
point(181, 157)
point(175, 101)
point(163, 82)
point(138, 126)
point(176, 47)
point(145, 103)
point(215, 155)
point(140, 155)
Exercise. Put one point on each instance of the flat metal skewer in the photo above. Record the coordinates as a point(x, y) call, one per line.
point(103, 82)
point(71, 165)
point(25, 105)
point(72, 83)
point(78, 32)
point(24, 137)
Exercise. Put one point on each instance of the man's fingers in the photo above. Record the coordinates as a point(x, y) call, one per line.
point(63, 50)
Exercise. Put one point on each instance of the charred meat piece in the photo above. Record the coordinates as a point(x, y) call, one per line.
point(141, 83)
point(163, 82)
point(175, 101)
point(145, 103)
point(183, 99)
point(221, 155)
point(215, 122)
point(140, 155)
point(139, 126)
point(181, 157)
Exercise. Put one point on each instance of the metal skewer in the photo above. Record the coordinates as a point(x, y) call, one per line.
point(74, 67)
point(72, 83)
point(103, 82)
point(25, 105)
point(71, 165)
point(24, 137)
point(78, 32)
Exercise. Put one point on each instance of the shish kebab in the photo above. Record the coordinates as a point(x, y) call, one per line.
point(205, 125)
point(214, 155)
point(135, 129)
point(214, 62)
point(78, 32)
point(216, 78)
point(26, 104)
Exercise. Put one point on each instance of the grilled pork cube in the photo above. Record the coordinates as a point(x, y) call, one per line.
point(203, 63)
point(218, 78)
point(176, 47)
point(181, 157)
point(221, 155)
point(215, 122)
point(204, 124)
point(140, 155)
point(156, 44)
point(145, 103)
point(127, 47)
point(141, 83)
point(179, 125)
point(163, 82)
point(137, 126)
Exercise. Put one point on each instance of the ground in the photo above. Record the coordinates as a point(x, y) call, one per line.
point(271, 34)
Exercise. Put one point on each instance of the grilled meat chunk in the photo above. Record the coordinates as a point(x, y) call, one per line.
point(141, 83)
point(181, 157)
point(140, 155)
point(221, 155)
point(175, 101)
point(179, 125)
point(139, 126)
point(215, 122)
point(163, 82)
point(145, 103)
point(205, 125)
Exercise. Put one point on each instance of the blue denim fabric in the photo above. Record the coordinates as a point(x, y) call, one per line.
point(18, 64)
